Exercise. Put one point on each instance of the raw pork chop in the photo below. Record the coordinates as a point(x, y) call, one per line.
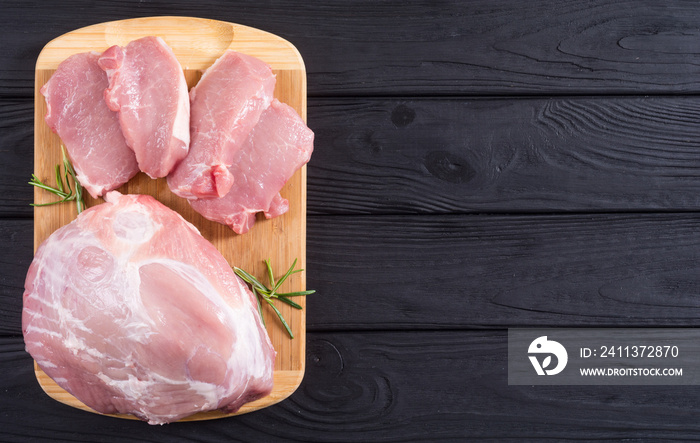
point(278, 145)
point(225, 106)
point(147, 88)
point(76, 110)
point(131, 310)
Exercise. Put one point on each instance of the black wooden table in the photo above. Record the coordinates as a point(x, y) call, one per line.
point(479, 165)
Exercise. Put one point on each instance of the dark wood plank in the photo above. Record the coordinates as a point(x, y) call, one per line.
point(408, 48)
point(427, 386)
point(456, 272)
point(377, 156)
point(385, 156)
point(16, 239)
point(16, 157)
point(453, 386)
point(492, 271)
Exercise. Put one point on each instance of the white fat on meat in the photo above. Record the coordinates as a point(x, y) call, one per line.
point(278, 145)
point(90, 131)
point(225, 105)
point(131, 310)
point(147, 88)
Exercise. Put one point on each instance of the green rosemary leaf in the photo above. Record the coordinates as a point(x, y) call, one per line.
point(270, 275)
point(63, 190)
point(255, 293)
point(262, 292)
point(68, 167)
point(59, 180)
point(295, 294)
point(279, 314)
point(284, 277)
point(41, 185)
point(38, 183)
point(251, 280)
point(243, 275)
point(287, 301)
point(47, 204)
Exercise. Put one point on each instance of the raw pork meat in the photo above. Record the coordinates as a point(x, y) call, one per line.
point(278, 145)
point(147, 88)
point(90, 131)
point(131, 310)
point(225, 106)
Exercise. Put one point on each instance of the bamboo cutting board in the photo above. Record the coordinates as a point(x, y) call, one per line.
point(197, 43)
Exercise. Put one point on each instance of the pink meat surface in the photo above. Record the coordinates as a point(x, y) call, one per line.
point(225, 105)
point(148, 90)
point(131, 310)
point(90, 131)
point(278, 145)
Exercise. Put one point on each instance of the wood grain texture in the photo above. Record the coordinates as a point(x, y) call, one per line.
point(424, 156)
point(379, 156)
point(363, 387)
point(16, 157)
point(15, 256)
point(417, 48)
point(197, 43)
point(452, 271)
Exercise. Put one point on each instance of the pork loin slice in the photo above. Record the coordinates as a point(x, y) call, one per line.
point(278, 145)
point(90, 131)
point(131, 310)
point(148, 89)
point(225, 105)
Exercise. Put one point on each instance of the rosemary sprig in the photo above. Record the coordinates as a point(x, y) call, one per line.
point(263, 293)
point(62, 189)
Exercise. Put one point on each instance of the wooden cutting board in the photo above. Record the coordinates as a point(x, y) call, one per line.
point(197, 43)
